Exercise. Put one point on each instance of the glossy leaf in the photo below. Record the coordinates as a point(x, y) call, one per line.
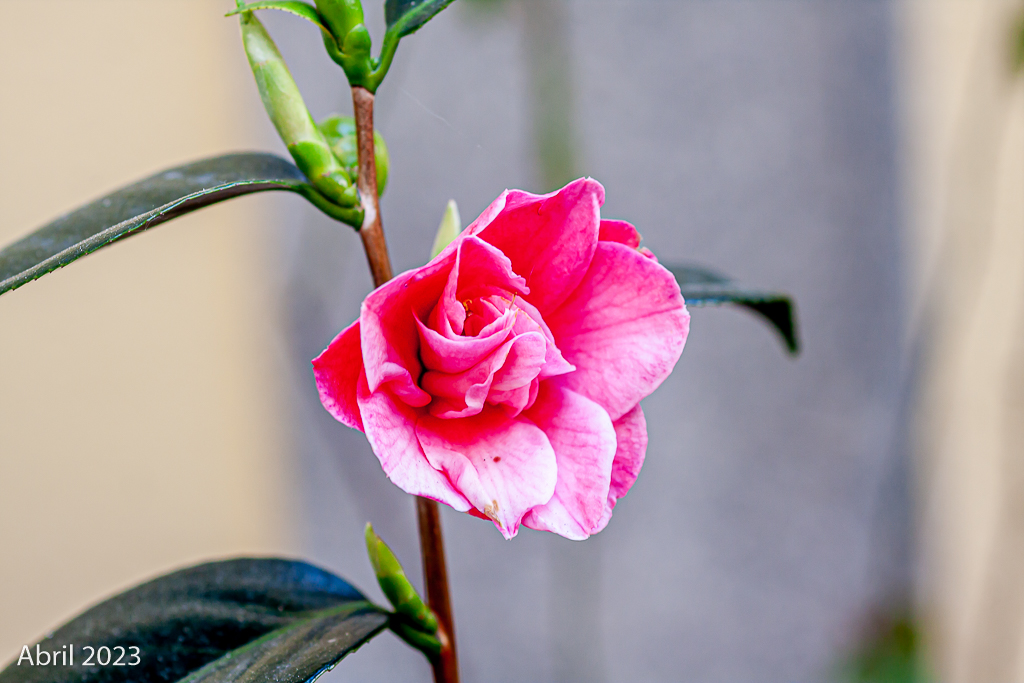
point(172, 193)
point(246, 620)
point(407, 16)
point(299, 9)
point(703, 287)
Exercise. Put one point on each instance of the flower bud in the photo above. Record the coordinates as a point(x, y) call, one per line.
point(451, 226)
point(396, 586)
point(341, 16)
point(340, 132)
point(349, 41)
point(291, 118)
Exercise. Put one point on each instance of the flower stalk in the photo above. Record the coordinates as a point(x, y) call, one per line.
point(435, 568)
point(372, 232)
point(435, 574)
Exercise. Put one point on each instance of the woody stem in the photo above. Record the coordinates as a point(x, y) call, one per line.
point(435, 569)
point(372, 231)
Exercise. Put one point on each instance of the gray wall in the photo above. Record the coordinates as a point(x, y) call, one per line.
point(771, 516)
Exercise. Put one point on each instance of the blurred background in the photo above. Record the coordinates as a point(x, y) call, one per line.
point(830, 517)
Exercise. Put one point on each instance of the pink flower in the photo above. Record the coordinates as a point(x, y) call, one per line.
point(504, 377)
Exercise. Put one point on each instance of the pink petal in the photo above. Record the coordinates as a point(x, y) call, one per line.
point(492, 211)
point(649, 254)
point(445, 354)
point(516, 400)
point(619, 231)
point(449, 316)
point(583, 437)
point(391, 430)
point(337, 372)
point(525, 359)
point(460, 395)
point(631, 435)
point(502, 466)
point(549, 238)
point(482, 266)
point(554, 363)
point(623, 328)
point(388, 332)
point(478, 269)
point(487, 313)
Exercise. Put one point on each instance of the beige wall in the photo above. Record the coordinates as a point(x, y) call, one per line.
point(965, 181)
point(138, 427)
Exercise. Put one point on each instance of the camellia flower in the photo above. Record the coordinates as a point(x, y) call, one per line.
point(504, 377)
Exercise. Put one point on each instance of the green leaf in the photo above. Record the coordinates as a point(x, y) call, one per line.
point(299, 9)
point(407, 16)
point(403, 17)
point(703, 287)
point(246, 620)
point(166, 195)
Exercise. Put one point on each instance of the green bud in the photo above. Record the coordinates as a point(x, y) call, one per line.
point(357, 43)
point(340, 132)
point(355, 56)
point(291, 118)
point(427, 643)
point(348, 42)
point(451, 226)
point(341, 16)
point(396, 585)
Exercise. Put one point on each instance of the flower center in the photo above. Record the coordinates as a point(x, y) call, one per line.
point(484, 311)
point(490, 349)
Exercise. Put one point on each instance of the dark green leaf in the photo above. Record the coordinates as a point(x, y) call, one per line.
point(703, 287)
point(407, 16)
point(158, 199)
point(299, 9)
point(250, 620)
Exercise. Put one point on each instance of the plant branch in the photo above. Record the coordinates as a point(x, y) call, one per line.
point(371, 231)
point(435, 570)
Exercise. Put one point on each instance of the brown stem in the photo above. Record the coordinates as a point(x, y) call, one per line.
point(372, 231)
point(435, 570)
